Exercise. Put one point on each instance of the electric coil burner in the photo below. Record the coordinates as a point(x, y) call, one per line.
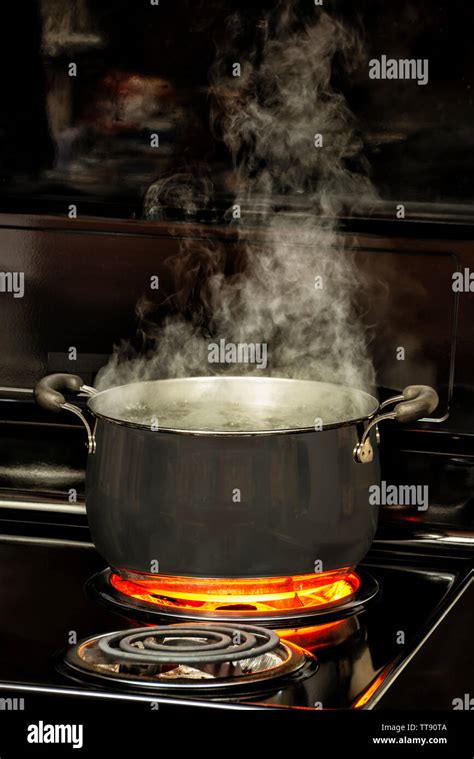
point(197, 656)
point(274, 601)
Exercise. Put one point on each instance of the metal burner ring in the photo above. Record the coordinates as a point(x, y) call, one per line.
point(256, 641)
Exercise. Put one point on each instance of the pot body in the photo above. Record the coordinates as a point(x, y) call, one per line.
point(230, 505)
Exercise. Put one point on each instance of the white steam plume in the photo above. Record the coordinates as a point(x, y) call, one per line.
point(299, 287)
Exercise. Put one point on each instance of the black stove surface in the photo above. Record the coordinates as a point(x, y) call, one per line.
point(45, 610)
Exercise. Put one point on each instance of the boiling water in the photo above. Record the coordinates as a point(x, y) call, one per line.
point(226, 416)
point(233, 404)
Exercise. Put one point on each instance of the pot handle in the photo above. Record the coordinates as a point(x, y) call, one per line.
point(415, 402)
point(48, 395)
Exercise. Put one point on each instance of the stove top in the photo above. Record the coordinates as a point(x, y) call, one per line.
point(57, 638)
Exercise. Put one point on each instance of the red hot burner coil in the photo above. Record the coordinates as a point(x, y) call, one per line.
point(240, 596)
point(278, 603)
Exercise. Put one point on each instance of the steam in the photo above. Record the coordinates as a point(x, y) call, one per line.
point(296, 287)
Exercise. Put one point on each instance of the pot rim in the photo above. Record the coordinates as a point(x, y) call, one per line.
point(235, 433)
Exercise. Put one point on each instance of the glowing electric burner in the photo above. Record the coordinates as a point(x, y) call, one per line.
point(240, 596)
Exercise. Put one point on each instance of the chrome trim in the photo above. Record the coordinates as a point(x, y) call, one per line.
point(389, 401)
point(29, 391)
point(19, 390)
point(52, 508)
point(431, 540)
point(88, 390)
point(363, 452)
point(374, 422)
point(26, 540)
point(106, 695)
point(435, 420)
point(91, 444)
point(451, 540)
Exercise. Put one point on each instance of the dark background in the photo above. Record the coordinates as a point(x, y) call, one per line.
point(53, 150)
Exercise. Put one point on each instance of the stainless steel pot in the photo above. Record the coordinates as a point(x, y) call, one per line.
point(275, 483)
